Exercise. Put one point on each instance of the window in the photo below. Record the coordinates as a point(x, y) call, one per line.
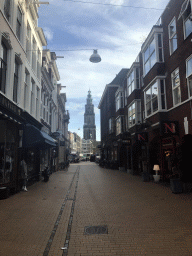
point(119, 99)
point(120, 125)
point(172, 36)
point(149, 57)
point(28, 43)
point(111, 125)
point(176, 91)
point(134, 113)
point(130, 83)
point(34, 63)
point(7, 9)
point(3, 67)
point(16, 81)
point(189, 75)
point(19, 23)
point(155, 97)
point(37, 101)
point(185, 13)
point(131, 115)
point(32, 96)
point(26, 88)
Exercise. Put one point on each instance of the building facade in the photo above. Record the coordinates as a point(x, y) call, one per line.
point(28, 94)
point(153, 106)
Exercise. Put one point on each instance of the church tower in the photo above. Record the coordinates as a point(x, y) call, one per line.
point(89, 128)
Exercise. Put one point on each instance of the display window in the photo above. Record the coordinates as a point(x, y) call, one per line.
point(7, 152)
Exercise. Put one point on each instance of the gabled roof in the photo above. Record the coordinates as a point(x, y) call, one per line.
point(117, 82)
point(120, 77)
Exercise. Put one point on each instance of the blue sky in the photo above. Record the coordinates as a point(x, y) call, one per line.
point(117, 32)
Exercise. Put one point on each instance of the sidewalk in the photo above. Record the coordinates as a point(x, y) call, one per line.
point(143, 218)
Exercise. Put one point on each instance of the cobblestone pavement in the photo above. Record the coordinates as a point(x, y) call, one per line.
point(143, 218)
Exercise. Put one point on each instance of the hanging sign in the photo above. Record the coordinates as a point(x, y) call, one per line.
point(169, 127)
point(142, 136)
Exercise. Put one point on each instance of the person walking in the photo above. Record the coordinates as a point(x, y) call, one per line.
point(24, 175)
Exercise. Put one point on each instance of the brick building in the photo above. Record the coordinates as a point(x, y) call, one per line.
point(155, 109)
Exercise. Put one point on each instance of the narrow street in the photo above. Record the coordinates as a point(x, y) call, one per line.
point(138, 218)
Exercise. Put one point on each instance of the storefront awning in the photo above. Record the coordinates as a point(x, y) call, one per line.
point(33, 137)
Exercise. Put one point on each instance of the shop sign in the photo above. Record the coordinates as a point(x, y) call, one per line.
point(169, 127)
point(9, 105)
point(142, 136)
point(127, 142)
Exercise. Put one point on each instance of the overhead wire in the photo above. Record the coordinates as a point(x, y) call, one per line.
point(127, 6)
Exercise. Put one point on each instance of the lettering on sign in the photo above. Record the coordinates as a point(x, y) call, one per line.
point(169, 127)
point(142, 136)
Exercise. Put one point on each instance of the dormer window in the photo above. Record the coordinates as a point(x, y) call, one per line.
point(152, 49)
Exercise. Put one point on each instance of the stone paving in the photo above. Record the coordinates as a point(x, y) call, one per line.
point(143, 218)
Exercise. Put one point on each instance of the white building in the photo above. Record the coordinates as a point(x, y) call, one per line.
point(87, 147)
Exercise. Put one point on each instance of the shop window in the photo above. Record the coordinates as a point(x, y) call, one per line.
point(7, 152)
point(172, 36)
point(176, 90)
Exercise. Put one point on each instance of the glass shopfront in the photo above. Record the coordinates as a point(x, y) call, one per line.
point(7, 151)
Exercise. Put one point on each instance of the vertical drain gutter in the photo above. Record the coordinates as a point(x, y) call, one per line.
point(67, 239)
point(50, 241)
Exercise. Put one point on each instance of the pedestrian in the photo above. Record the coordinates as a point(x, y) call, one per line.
point(23, 166)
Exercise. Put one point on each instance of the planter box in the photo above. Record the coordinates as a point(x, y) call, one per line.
point(176, 186)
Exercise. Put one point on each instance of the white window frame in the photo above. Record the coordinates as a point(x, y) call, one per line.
point(161, 96)
point(189, 75)
point(188, 19)
point(119, 125)
point(9, 11)
point(119, 99)
point(175, 87)
point(173, 36)
point(20, 38)
point(136, 113)
point(159, 51)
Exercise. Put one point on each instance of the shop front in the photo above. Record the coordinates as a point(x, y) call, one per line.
point(37, 146)
point(10, 139)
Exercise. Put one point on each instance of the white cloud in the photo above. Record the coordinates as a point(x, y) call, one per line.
point(48, 33)
point(117, 33)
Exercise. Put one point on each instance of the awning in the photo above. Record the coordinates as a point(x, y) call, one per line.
point(33, 137)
